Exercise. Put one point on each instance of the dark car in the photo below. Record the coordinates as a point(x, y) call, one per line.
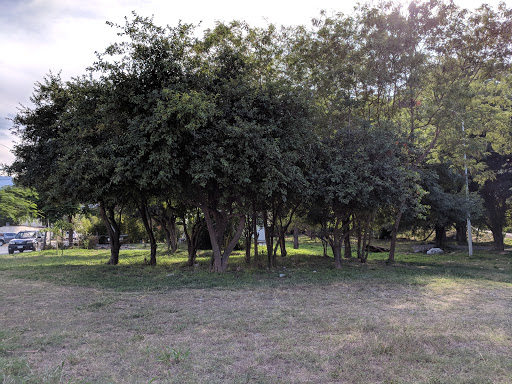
point(24, 241)
point(6, 237)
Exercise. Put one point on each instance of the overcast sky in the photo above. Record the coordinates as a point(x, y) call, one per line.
point(38, 36)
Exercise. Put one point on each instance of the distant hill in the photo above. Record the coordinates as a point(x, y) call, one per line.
point(5, 181)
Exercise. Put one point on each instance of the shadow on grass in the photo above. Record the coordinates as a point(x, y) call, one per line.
point(302, 267)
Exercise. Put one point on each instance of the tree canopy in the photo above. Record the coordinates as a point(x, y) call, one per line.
point(343, 118)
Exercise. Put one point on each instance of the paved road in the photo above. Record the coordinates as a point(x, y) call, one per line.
point(3, 250)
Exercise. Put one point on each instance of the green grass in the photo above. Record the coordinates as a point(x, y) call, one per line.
point(87, 268)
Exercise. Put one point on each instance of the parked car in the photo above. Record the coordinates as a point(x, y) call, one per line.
point(25, 241)
point(6, 237)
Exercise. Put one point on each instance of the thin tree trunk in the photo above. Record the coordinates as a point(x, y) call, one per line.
point(336, 251)
point(171, 225)
point(359, 240)
point(295, 237)
point(213, 230)
point(394, 234)
point(336, 244)
point(257, 257)
point(440, 236)
point(45, 236)
point(367, 238)
point(324, 244)
point(282, 242)
point(346, 241)
point(232, 244)
point(461, 236)
point(149, 230)
point(167, 233)
point(269, 239)
point(248, 240)
point(282, 229)
point(192, 236)
point(70, 232)
point(113, 229)
point(190, 248)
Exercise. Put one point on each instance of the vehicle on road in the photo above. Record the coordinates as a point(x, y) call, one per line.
point(6, 237)
point(25, 241)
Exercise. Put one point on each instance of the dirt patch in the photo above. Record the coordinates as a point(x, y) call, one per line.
point(342, 332)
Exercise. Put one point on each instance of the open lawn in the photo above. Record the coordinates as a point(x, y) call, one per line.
point(424, 319)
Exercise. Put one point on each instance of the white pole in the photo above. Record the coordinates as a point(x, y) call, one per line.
point(470, 240)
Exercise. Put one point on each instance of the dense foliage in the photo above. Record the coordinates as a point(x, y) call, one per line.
point(347, 120)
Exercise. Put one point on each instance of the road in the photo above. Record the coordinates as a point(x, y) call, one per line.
point(3, 250)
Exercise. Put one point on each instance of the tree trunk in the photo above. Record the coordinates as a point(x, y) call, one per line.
point(367, 238)
point(440, 239)
point(70, 232)
point(191, 250)
point(248, 240)
point(257, 257)
point(169, 227)
point(295, 237)
point(114, 232)
point(269, 239)
point(167, 234)
point(216, 223)
point(214, 228)
point(497, 235)
point(192, 236)
point(360, 251)
point(282, 229)
point(45, 236)
point(282, 242)
point(336, 251)
point(461, 236)
point(336, 244)
point(346, 235)
point(173, 238)
point(149, 230)
point(168, 223)
point(394, 234)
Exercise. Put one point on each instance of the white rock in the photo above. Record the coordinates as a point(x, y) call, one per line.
point(434, 251)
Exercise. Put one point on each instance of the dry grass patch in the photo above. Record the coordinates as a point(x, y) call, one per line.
point(447, 331)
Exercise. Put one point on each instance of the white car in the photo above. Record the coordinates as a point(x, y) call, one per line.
point(25, 241)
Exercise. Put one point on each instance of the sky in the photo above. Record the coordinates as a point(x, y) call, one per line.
point(39, 36)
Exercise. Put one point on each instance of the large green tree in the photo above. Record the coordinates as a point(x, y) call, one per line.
point(18, 204)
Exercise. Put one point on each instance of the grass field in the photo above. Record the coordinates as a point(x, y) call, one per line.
point(425, 319)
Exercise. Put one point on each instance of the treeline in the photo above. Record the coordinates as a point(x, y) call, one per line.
point(353, 120)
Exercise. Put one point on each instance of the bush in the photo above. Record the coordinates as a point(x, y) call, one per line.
point(89, 242)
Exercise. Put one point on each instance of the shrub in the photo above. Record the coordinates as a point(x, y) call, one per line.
point(89, 242)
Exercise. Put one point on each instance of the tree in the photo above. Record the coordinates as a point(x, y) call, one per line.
point(43, 131)
point(18, 204)
point(495, 193)
point(358, 172)
point(413, 67)
point(446, 200)
point(146, 74)
point(248, 140)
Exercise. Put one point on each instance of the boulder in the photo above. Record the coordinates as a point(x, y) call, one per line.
point(435, 251)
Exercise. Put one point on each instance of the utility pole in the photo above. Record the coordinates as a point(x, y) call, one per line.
point(470, 239)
